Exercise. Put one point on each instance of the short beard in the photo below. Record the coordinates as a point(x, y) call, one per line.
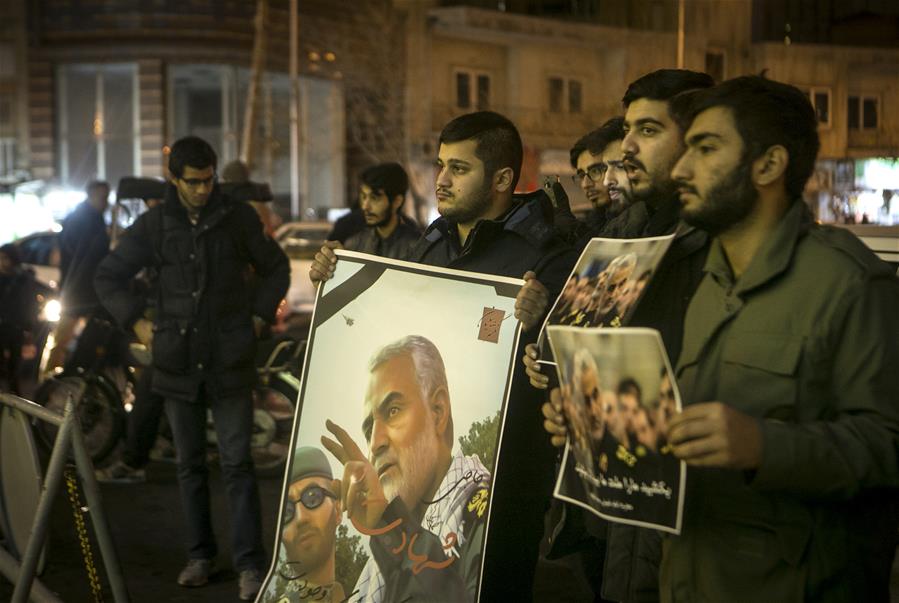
point(421, 461)
point(726, 204)
point(480, 203)
point(385, 220)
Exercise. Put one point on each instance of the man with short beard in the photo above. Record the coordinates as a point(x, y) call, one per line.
point(787, 374)
point(599, 172)
point(411, 474)
point(381, 195)
point(484, 227)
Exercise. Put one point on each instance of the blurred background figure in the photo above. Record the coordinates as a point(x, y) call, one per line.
point(18, 313)
point(83, 243)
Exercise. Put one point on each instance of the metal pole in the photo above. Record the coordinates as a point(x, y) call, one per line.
point(98, 517)
point(680, 33)
point(294, 111)
point(30, 408)
point(9, 567)
point(42, 516)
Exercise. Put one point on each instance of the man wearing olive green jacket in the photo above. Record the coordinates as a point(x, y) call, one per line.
point(789, 372)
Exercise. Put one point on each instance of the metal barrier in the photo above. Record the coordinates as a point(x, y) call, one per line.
point(68, 438)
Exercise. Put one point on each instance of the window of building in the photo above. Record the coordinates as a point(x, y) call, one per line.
point(863, 112)
point(209, 101)
point(472, 90)
point(556, 94)
point(565, 94)
point(714, 64)
point(575, 94)
point(98, 116)
point(821, 102)
point(7, 61)
point(820, 99)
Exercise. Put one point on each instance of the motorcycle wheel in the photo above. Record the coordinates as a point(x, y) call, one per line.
point(274, 406)
point(99, 410)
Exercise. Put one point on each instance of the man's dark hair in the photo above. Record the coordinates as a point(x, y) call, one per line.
point(388, 178)
point(769, 113)
point(665, 84)
point(12, 252)
point(597, 140)
point(630, 386)
point(498, 141)
point(95, 185)
point(191, 151)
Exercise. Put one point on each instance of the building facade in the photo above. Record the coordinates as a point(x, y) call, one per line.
point(92, 88)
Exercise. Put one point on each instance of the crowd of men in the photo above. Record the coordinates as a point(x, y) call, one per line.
point(784, 333)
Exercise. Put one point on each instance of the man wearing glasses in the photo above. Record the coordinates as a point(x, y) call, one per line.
point(312, 512)
point(203, 339)
point(597, 157)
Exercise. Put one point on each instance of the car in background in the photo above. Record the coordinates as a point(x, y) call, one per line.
point(40, 252)
point(301, 241)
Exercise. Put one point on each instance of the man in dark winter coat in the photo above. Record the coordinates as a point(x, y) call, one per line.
point(18, 312)
point(203, 341)
point(485, 228)
point(83, 243)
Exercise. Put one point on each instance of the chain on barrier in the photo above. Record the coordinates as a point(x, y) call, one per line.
point(78, 510)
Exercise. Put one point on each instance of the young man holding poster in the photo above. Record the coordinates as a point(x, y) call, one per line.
point(788, 372)
point(486, 228)
point(623, 560)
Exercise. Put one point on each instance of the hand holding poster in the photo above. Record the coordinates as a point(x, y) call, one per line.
point(403, 394)
point(617, 395)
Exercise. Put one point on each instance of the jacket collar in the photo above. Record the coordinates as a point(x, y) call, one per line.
point(526, 217)
point(216, 207)
point(773, 257)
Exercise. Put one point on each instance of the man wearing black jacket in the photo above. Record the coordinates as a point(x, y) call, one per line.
point(485, 228)
point(203, 341)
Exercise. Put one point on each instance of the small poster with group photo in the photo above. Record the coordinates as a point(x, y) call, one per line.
point(394, 449)
point(617, 397)
point(607, 282)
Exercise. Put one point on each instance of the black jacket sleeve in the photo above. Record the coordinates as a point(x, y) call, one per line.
point(270, 263)
point(113, 277)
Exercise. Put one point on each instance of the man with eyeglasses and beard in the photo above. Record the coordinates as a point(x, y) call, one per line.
point(305, 570)
point(787, 374)
point(600, 173)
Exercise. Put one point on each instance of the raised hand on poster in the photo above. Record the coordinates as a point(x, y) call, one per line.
point(532, 366)
point(324, 263)
point(532, 301)
point(360, 489)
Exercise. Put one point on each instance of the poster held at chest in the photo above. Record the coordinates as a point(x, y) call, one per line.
point(405, 382)
point(618, 395)
point(608, 280)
